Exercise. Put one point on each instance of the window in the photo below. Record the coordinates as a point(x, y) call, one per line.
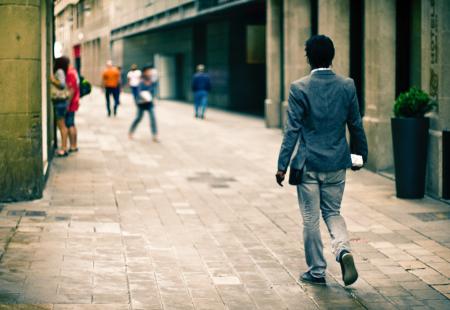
point(80, 14)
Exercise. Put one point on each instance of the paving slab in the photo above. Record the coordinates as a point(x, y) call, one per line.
point(198, 222)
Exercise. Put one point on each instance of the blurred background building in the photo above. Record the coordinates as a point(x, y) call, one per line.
point(253, 50)
point(26, 118)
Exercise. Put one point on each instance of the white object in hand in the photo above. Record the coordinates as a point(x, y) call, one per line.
point(357, 160)
point(146, 96)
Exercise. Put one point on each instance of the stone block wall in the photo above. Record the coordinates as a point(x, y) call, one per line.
point(21, 166)
point(435, 73)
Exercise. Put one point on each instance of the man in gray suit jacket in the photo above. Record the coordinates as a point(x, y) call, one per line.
point(320, 106)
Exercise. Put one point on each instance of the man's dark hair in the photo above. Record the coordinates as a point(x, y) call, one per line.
point(146, 67)
point(61, 63)
point(320, 51)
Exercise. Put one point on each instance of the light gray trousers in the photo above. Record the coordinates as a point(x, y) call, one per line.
point(321, 192)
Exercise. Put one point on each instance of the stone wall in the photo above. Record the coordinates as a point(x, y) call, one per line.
point(297, 29)
point(274, 62)
point(334, 21)
point(21, 162)
point(94, 55)
point(436, 80)
point(379, 80)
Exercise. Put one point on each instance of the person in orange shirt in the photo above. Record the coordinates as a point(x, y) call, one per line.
point(111, 81)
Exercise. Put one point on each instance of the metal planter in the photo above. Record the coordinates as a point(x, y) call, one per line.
point(410, 142)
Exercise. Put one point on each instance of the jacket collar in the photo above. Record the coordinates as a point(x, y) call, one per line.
point(323, 73)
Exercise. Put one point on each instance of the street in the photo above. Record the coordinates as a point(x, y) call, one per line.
point(198, 222)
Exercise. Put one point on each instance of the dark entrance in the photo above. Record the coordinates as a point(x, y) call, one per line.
point(403, 46)
point(357, 49)
point(408, 45)
point(231, 43)
point(248, 60)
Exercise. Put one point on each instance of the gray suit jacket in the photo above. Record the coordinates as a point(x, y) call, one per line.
point(320, 106)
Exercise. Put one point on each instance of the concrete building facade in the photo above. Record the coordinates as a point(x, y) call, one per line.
point(254, 49)
point(26, 118)
point(227, 36)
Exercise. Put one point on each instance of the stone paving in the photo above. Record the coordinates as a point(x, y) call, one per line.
point(198, 222)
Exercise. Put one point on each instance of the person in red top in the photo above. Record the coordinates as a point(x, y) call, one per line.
point(73, 83)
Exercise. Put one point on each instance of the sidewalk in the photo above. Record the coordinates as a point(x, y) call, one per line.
point(198, 222)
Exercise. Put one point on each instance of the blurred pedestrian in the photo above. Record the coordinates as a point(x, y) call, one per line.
point(155, 81)
point(201, 85)
point(111, 80)
point(119, 86)
point(145, 102)
point(73, 84)
point(134, 78)
point(320, 106)
point(60, 95)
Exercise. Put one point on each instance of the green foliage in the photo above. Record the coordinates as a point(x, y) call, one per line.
point(413, 103)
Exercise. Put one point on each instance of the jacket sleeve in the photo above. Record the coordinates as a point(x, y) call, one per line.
point(358, 141)
point(295, 114)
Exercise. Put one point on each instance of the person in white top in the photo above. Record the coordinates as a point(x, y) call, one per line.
point(134, 78)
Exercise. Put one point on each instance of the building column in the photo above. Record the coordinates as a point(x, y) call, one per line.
point(297, 29)
point(334, 22)
point(274, 63)
point(435, 78)
point(379, 77)
point(21, 162)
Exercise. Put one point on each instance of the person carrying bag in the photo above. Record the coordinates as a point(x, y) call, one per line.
point(145, 102)
point(60, 95)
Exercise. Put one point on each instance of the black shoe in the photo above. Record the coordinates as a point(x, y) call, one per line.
point(349, 272)
point(308, 278)
point(62, 154)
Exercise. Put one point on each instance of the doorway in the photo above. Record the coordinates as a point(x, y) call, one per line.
point(408, 45)
point(167, 70)
point(246, 61)
point(403, 46)
point(357, 49)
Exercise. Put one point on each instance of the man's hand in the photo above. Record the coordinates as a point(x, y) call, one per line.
point(280, 177)
point(357, 162)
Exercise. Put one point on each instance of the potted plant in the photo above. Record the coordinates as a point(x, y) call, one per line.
point(410, 141)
